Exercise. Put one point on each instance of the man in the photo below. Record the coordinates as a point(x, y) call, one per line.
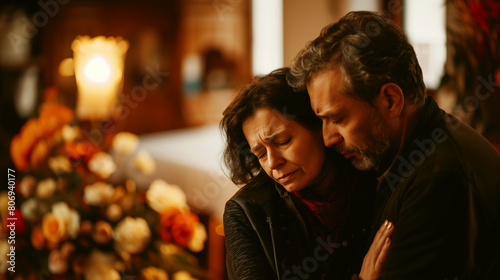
point(439, 180)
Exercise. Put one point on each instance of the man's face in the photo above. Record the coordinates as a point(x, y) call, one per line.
point(352, 126)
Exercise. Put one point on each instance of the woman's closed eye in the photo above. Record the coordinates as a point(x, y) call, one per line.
point(260, 155)
point(260, 152)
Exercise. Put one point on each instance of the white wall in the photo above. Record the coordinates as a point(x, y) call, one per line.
point(267, 39)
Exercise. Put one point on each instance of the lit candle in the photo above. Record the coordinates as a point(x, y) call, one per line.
point(99, 74)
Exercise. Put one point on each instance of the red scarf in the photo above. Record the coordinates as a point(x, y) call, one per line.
point(322, 214)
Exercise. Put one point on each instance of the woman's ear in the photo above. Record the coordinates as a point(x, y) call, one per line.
point(391, 99)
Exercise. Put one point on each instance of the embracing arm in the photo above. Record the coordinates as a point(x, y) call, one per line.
point(245, 256)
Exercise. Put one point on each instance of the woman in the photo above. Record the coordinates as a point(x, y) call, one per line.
point(303, 213)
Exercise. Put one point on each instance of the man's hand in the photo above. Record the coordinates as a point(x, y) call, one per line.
point(375, 258)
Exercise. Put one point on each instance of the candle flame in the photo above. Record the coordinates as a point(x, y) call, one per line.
point(98, 64)
point(97, 69)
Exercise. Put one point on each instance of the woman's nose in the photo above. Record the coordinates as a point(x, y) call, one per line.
point(275, 159)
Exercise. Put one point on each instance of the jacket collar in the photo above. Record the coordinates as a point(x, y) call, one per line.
point(429, 118)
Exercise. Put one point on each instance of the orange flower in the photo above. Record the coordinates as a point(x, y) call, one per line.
point(39, 153)
point(22, 144)
point(53, 228)
point(30, 147)
point(37, 238)
point(54, 116)
point(177, 226)
point(103, 232)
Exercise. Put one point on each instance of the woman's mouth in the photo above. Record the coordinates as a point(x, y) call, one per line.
point(286, 178)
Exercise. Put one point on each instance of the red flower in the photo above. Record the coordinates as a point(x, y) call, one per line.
point(177, 226)
point(18, 222)
point(80, 151)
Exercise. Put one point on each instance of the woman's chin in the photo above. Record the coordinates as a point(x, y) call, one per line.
point(291, 188)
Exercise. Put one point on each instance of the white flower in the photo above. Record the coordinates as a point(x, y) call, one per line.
point(70, 217)
point(114, 212)
point(153, 273)
point(101, 271)
point(161, 195)
point(102, 164)
point(29, 209)
point(125, 142)
point(144, 162)
point(70, 133)
point(101, 266)
point(58, 263)
point(27, 185)
point(183, 275)
point(46, 188)
point(132, 235)
point(59, 164)
point(4, 250)
point(98, 193)
point(198, 239)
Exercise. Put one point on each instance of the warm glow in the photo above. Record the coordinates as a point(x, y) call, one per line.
point(66, 67)
point(219, 229)
point(97, 69)
point(98, 64)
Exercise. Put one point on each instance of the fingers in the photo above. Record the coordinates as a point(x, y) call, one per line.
point(383, 254)
point(377, 254)
point(382, 235)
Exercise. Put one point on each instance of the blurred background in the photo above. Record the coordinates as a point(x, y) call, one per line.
point(181, 63)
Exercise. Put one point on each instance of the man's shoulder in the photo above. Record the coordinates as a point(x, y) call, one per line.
point(470, 143)
point(447, 148)
point(452, 146)
point(460, 148)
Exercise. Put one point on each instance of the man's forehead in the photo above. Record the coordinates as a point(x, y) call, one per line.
point(323, 98)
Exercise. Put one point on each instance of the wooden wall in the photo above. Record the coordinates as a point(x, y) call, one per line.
point(161, 35)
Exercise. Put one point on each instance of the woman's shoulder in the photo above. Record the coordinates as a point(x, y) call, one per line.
point(253, 201)
point(256, 192)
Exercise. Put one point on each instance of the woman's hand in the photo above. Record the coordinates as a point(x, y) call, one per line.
point(375, 258)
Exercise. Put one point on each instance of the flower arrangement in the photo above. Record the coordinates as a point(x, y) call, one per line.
point(78, 220)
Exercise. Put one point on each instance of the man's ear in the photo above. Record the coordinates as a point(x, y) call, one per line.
point(391, 99)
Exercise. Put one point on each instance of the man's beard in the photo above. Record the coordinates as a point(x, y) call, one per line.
point(376, 151)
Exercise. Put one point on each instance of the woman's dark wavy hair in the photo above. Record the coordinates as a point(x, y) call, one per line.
point(369, 50)
point(269, 91)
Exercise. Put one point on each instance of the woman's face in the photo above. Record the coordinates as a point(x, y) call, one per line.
point(287, 151)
